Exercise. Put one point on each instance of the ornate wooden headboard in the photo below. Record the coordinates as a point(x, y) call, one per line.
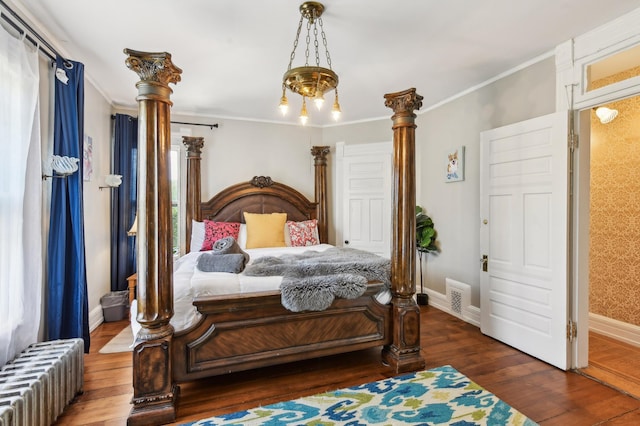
point(260, 195)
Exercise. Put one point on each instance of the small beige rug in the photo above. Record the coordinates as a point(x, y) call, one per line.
point(120, 343)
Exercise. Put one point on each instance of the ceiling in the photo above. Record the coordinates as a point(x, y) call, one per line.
point(233, 53)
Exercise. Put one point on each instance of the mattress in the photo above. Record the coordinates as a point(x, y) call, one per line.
point(189, 282)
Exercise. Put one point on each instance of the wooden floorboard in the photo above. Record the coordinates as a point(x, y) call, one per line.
point(545, 394)
point(615, 363)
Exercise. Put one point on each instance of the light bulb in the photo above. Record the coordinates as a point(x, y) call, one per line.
point(284, 104)
point(606, 115)
point(303, 112)
point(318, 100)
point(335, 111)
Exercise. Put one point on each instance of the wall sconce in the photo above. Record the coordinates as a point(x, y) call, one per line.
point(606, 115)
point(134, 228)
point(62, 167)
point(112, 181)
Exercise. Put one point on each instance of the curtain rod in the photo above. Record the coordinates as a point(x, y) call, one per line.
point(211, 126)
point(26, 27)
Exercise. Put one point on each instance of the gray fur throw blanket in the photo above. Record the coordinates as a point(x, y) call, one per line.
point(226, 256)
point(311, 280)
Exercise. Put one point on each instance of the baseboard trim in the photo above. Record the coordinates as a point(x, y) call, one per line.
point(95, 318)
point(609, 327)
point(615, 329)
point(470, 314)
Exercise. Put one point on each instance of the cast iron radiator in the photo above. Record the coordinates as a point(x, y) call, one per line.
point(37, 385)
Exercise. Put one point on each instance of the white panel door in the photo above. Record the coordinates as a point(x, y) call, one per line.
point(366, 201)
point(524, 234)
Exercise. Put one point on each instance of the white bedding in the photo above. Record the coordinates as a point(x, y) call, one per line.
point(215, 283)
point(188, 282)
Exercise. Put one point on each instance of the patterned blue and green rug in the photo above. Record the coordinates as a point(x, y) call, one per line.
point(441, 396)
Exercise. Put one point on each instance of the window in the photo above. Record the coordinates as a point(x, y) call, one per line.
point(614, 69)
point(175, 198)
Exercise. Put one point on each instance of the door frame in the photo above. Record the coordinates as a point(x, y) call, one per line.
point(572, 60)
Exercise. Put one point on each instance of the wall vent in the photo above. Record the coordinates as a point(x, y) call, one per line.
point(456, 301)
point(458, 296)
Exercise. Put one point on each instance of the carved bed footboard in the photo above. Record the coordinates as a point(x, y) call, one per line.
point(254, 330)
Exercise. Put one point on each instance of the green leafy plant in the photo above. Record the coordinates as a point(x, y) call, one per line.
point(425, 232)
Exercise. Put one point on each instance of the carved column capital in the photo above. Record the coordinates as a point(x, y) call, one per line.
point(194, 145)
point(153, 66)
point(156, 71)
point(320, 154)
point(403, 103)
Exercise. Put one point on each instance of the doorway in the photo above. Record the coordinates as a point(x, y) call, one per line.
point(614, 243)
point(363, 185)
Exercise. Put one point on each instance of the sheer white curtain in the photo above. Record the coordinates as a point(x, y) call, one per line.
point(20, 197)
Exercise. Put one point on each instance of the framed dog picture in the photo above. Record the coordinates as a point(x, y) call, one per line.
point(455, 165)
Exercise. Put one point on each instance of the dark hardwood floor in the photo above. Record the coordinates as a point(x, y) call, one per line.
point(547, 395)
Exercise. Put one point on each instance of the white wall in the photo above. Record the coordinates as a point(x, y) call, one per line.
point(97, 203)
point(238, 150)
point(455, 206)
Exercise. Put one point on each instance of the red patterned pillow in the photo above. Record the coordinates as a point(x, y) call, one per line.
point(213, 231)
point(303, 233)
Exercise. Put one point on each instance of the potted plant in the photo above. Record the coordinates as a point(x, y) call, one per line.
point(425, 243)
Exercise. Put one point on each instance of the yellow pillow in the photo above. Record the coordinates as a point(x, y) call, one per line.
point(265, 230)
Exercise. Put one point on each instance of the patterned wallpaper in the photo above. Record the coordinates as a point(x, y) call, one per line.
point(614, 251)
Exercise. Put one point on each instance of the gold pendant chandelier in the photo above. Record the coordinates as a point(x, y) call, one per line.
point(310, 81)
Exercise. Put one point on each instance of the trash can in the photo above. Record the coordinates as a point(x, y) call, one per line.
point(115, 305)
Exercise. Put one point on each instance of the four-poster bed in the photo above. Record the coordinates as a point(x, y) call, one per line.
point(251, 330)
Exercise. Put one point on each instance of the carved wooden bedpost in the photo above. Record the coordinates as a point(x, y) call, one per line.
point(193, 210)
point(154, 392)
point(404, 352)
point(320, 161)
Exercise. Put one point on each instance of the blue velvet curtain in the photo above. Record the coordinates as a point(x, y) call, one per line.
point(123, 201)
point(67, 306)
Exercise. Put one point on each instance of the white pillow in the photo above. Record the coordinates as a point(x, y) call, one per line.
point(197, 235)
point(287, 236)
point(242, 236)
